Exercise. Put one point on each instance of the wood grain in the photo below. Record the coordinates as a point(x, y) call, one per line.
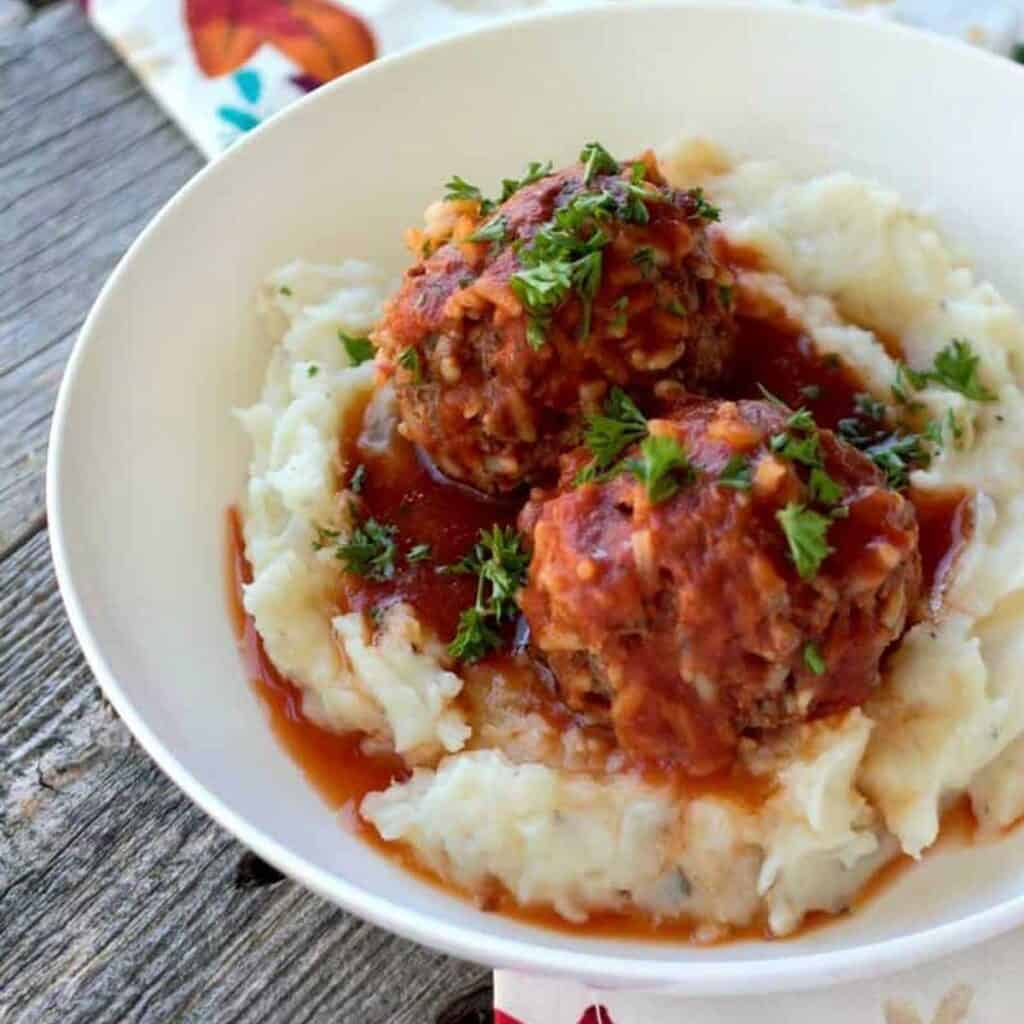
point(86, 158)
point(119, 900)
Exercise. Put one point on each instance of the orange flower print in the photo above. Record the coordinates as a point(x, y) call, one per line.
point(323, 39)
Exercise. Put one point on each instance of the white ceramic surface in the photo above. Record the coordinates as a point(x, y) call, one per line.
point(145, 455)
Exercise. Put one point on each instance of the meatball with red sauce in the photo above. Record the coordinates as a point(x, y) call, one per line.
point(515, 322)
point(755, 584)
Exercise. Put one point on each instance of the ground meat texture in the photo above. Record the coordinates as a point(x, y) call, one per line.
point(685, 624)
point(491, 409)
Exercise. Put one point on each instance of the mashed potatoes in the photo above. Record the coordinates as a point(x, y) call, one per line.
point(510, 801)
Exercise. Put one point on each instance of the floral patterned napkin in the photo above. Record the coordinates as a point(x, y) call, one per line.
point(976, 987)
point(220, 67)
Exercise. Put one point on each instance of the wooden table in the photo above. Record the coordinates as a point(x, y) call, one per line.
point(119, 900)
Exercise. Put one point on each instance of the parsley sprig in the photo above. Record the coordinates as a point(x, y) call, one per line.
point(705, 210)
point(737, 474)
point(499, 562)
point(458, 188)
point(609, 433)
point(494, 231)
point(370, 551)
point(663, 467)
point(814, 659)
point(955, 368)
point(800, 443)
point(806, 532)
point(895, 452)
point(806, 529)
point(634, 208)
point(358, 347)
point(541, 289)
point(597, 160)
point(565, 254)
point(534, 172)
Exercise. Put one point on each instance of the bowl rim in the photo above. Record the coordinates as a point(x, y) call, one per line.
point(800, 972)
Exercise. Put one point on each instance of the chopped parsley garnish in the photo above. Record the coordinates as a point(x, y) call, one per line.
point(563, 255)
point(597, 160)
point(541, 289)
point(737, 473)
point(824, 490)
point(812, 392)
point(704, 209)
point(813, 658)
point(865, 429)
point(370, 551)
point(800, 443)
point(895, 453)
point(495, 231)
point(534, 172)
point(633, 209)
point(806, 532)
point(409, 361)
point(358, 348)
point(725, 295)
point(419, 553)
point(869, 406)
point(609, 433)
point(285, 290)
point(675, 307)
point(569, 219)
point(358, 479)
point(475, 636)
point(955, 368)
point(663, 467)
point(586, 277)
point(312, 370)
point(499, 562)
point(907, 381)
point(459, 188)
point(802, 419)
point(805, 450)
point(644, 258)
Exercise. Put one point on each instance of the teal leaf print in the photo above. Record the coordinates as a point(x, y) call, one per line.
point(249, 84)
point(240, 119)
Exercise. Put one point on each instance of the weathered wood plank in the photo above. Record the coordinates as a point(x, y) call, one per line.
point(86, 158)
point(119, 900)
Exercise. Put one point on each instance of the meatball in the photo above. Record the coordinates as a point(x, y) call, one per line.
point(754, 596)
point(498, 345)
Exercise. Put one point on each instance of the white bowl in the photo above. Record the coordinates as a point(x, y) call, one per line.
point(145, 455)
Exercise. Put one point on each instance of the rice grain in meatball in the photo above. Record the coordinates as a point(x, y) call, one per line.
point(755, 595)
point(515, 321)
